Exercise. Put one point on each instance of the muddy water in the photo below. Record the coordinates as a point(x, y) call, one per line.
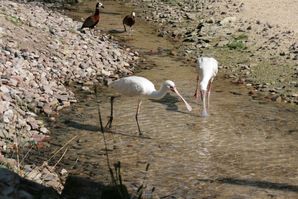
point(244, 149)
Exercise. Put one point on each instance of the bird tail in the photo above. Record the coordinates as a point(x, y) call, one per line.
point(81, 30)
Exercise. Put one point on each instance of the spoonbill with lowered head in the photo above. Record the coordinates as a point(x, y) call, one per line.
point(207, 68)
point(135, 86)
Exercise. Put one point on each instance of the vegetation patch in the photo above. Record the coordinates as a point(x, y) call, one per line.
point(238, 42)
point(16, 21)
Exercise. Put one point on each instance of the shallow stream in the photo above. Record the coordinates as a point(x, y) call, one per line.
point(245, 149)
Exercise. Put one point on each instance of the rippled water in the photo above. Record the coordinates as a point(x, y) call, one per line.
point(244, 149)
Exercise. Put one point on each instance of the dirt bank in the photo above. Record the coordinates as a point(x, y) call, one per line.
point(255, 41)
point(280, 13)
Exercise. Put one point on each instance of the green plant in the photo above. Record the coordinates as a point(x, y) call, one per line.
point(236, 45)
point(16, 21)
point(238, 42)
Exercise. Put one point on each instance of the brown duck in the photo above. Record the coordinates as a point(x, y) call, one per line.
point(92, 20)
point(129, 20)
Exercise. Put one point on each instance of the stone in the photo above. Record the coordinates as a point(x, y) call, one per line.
point(44, 130)
point(276, 98)
point(61, 97)
point(4, 105)
point(228, 20)
point(8, 116)
point(211, 20)
point(66, 104)
point(191, 16)
point(47, 109)
point(63, 172)
point(222, 43)
point(33, 123)
point(4, 89)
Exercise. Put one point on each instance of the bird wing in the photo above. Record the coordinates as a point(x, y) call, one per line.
point(125, 19)
point(89, 22)
point(133, 86)
point(207, 67)
point(128, 20)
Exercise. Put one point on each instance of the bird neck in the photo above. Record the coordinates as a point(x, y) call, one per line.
point(160, 93)
point(96, 11)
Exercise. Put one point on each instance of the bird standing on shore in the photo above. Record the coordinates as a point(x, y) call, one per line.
point(129, 20)
point(207, 68)
point(135, 86)
point(91, 21)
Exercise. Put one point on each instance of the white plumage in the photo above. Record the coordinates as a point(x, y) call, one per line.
point(140, 86)
point(133, 86)
point(207, 68)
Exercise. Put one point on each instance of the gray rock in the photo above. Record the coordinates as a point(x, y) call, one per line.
point(4, 89)
point(47, 109)
point(8, 116)
point(191, 16)
point(228, 20)
point(4, 105)
point(222, 43)
point(33, 123)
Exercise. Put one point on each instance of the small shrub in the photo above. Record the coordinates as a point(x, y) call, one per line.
point(238, 42)
point(236, 45)
point(16, 21)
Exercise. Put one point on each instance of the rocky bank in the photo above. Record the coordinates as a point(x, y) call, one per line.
point(41, 54)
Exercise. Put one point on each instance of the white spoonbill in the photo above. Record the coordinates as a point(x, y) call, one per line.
point(135, 86)
point(207, 68)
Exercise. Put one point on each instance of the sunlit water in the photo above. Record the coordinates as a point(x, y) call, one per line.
point(244, 149)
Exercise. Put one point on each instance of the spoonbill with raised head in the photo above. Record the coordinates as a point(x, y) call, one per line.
point(207, 68)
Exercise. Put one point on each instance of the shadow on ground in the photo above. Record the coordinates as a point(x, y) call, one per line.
point(88, 127)
point(77, 186)
point(114, 31)
point(14, 186)
point(254, 183)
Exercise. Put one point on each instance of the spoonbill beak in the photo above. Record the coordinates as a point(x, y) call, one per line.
point(185, 102)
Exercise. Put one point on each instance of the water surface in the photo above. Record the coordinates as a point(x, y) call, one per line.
point(244, 149)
